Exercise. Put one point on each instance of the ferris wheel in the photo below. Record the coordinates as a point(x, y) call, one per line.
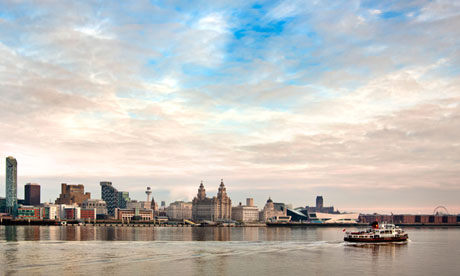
point(440, 210)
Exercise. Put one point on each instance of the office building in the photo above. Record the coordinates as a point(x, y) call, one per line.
point(11, 185)
point(2, 205)
point(30, 212)
point(51, 211)
point(127, 215)
point(72, 194)
point(32, 194)
point(246, 213)
point(98, 204)
point(123, 199)
point(113, 198)
point(179, 210)
point(214, 209)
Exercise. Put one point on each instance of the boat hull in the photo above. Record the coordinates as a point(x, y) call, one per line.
point(377, 240)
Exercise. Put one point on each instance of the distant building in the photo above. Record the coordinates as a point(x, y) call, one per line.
point(71, 194)
point(113, 197)
point(246, 213)
point(272, 210)
point(98, 204)
point(141, 205)
point(179, 210)
point(213, 209)
point(11, 185)
point(411, 219)
point(320, 207)
point(32, 194)
point(319, 203)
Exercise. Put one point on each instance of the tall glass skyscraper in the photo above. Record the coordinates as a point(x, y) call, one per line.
point(11, 185)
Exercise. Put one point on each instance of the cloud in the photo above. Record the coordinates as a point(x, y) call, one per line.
point(282, 98)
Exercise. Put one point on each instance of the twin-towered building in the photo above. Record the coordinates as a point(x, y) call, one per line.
point(217, 208)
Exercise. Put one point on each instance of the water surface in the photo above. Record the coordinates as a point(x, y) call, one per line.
point(78, 250)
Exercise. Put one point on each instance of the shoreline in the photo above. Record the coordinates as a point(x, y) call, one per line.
point(109, 223)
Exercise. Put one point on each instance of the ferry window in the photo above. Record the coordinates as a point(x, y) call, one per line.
point(431, 219)
point(444, 219)
point(418, 219)
point(458, 218)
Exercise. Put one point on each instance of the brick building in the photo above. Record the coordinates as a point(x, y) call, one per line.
point(71, 194)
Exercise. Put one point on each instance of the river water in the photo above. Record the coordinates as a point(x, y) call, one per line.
point(88, 250)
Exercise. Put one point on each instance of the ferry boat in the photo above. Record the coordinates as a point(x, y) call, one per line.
point(378, 233)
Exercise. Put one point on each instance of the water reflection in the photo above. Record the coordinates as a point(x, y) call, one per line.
point(114, 233)
point(213, 251)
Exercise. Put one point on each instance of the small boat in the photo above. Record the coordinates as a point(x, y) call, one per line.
point(378, 233)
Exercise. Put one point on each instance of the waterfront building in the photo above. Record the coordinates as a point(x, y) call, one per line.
point(298, 214)
point(32, 194)
point(272, 209)
point(72, 213)
point(246, 213)
point(88, 214)
point(333, 218)
point(113, 198)
point(61, 214)
point(76, 213)
point(11, 185)
point(411, 219)
point(30, 212)
point(98, 204)
point(213, 209)
point(72, 194)
point(179, 210)
point(134, 214)
point(50, 211)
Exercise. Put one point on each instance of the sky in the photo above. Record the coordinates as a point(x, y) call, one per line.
point(357, 101)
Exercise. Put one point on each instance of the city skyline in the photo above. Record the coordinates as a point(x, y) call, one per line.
point(357, 101)
point(319, 198)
